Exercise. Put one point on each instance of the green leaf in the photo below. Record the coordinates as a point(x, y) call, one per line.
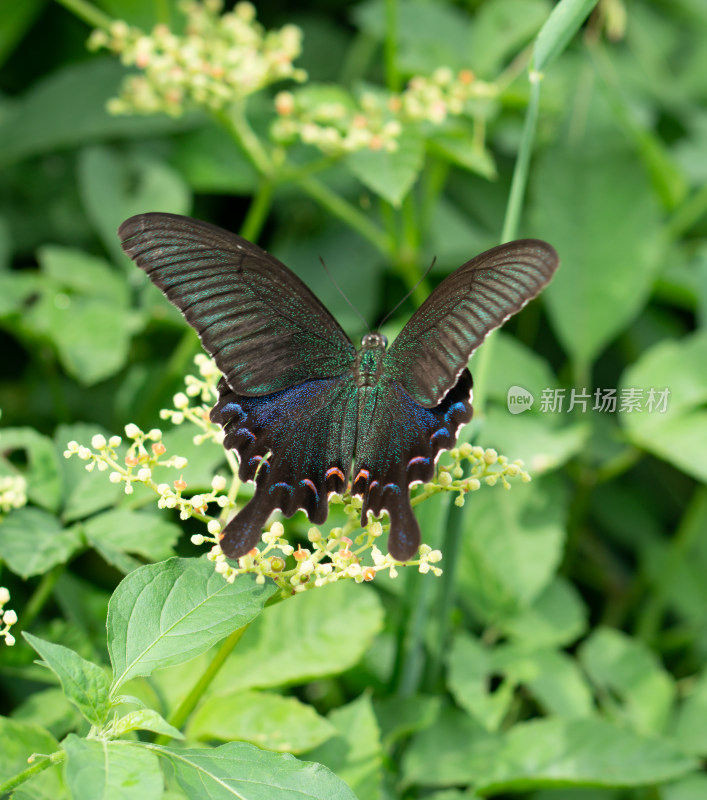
point(355, 754)
point(458, 145)
point(43, 472)
point(145, 720)
point(511, 547)
point(212, 163)
point(122, 531)
point(558, 617)
point(270, 721)
point(19, 741)
point(390, 174)
point(599, 209)
point(429, 34)
point(84, 273)
point(111, 770)
point(625, 668)
point(85, 684)
point(565, 20)
point(691, 721)
point(677, 434)
point(50, 709)
point(400, 717)
point(115, 185)
point(551, 676)
point(540, 753)
point(237, 770)
point(167, 613)
point(693, 787)
point(451, 752)
point(470, 669)
point(309, 637)
point(586, 752)
point(67, 108)
point(84, 492)
point(501, 29)
point(91, 336)
point(33, 541)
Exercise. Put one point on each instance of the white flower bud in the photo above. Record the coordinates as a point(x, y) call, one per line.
point(180, 400)
point(180, 462)
point(115, 477)
point(214, 526)
point(114, 441)
point(9, 617)
point(132, 431)
point(218, 483)
point(197, 539)
point(84, 453)
point(144, 474)
point(98, 441)
point(4, 595)
point(9, 639)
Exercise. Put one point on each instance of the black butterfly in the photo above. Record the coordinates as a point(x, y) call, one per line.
point(298, 402)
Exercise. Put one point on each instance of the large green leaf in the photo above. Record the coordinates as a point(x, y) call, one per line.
point(511, 547)
point(677, 434)
point(168, 613)
point(308, 636)
point(599, 210)
point(67, 108)
point(237, 770)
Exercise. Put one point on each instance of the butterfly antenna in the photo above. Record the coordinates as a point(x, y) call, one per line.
point(390, 313)
point(341, 292)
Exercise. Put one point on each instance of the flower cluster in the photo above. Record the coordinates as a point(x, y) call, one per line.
point(338, 124)
point(9, 618)
point(13, 492)
point(219, 59)
point(345, 552)
point(329, 558)
point(485, 466)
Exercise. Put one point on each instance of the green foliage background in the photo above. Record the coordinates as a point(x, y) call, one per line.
point(562, 655)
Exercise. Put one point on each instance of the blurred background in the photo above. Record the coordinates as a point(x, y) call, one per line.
point(579, 595)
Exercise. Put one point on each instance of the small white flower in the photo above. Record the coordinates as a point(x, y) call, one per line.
point(98, 441)
point(4, 595)
point(197, 539)
point(9, 639)
point(114, 441)
point(84, 453)
point(181, 401)
point(144, 474)
point(9, 617)
point(180, 462)
point(214, 526)
point(132, 431)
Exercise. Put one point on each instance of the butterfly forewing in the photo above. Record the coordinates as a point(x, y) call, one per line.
point(262, 325)
point(435, 345)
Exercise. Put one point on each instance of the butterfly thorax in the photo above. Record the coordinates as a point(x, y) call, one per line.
point(369, 359)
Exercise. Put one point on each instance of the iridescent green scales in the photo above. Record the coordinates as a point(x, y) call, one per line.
point(297, 402)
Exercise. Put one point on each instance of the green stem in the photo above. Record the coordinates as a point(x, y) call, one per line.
point(39, 597)
point(88, 13)
point(348, 213)
point(392, 76)
point(31, 771)
point(510, 226)
point(258, 211)
point(236, 123)
point(185, 708)
point(522, 165)
point(687, 214)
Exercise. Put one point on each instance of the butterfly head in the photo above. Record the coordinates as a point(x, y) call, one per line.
point(374, 341)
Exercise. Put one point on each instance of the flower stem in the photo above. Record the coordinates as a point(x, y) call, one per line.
point(31, 771)
point(88, 13)
point(257, 211)
point(185, 708)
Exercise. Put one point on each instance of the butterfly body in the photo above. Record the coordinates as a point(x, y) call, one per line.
point(306, 412)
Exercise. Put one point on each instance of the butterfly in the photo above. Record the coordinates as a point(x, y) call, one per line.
point(298, 402)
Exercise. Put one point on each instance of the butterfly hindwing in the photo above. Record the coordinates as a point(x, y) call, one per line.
point(435, 345)
point(264, 328)
point(296, 444)
point(398, 443)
